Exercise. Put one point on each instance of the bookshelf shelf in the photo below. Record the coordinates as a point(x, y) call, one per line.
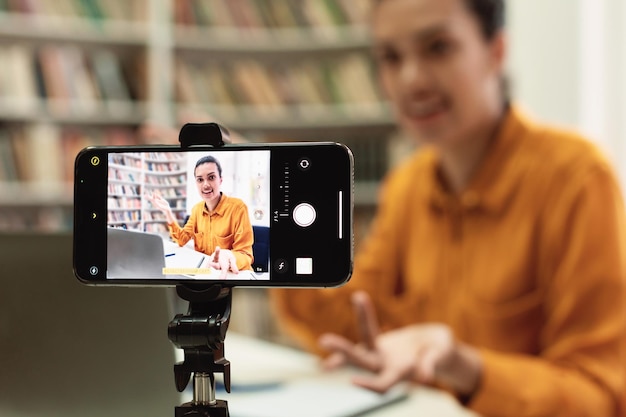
point(97, 113)
point(33, 27)
point(302, 117)
point(292, 42)
point(16, 195)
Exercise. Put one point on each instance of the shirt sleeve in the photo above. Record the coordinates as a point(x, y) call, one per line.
point(580, 370)
point(182, 235)
point(243, 237)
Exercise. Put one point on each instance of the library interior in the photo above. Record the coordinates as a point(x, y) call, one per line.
point(79, 73)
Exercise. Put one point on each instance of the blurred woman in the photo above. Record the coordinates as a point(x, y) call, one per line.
point(495, 267)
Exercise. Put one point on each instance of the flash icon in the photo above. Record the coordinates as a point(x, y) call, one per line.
point(280, 266)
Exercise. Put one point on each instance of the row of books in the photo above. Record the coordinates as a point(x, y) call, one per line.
point(126, 216)
point(157, 228)
point(121, 175)
point(50, 219)
point(166, 180)
point(162, 157)
point(117, 202)
point(45, 152)
point(242, 14)
point(173, 193)
point(276, 86)
point(271, 14)
point(72, 79)
point(131, 161)
point(146, 173)
point(123, 190)
point(156, 167)
point(96, 10)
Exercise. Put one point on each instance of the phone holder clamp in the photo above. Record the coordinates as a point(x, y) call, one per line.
point(201, 332)
point(203, 134)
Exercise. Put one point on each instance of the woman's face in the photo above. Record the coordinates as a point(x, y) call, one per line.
point(208, 181)
point(440, 73)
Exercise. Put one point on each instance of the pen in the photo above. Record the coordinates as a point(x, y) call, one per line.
point(169, 254)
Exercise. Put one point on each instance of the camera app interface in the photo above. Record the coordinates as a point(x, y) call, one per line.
point(195, 215)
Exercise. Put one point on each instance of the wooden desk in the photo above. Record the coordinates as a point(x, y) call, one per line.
point(186, 258)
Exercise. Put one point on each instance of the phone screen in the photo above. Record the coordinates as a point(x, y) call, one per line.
point(251, 215)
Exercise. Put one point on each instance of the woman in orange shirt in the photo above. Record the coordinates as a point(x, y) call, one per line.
point(219, 225)
point(496, 264)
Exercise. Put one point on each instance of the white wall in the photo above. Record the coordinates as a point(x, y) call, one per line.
point(567, 63)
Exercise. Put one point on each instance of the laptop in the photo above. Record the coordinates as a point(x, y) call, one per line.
point(133, 254)
point(72, 350)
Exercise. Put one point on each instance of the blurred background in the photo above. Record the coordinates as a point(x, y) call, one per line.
point(84, 72)
point(75, 73)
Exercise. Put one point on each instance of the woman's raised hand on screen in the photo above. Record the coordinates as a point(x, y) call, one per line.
point(160, 203)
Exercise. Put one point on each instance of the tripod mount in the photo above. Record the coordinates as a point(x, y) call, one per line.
point(201, 332)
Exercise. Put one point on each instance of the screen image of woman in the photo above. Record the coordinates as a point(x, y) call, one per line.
point(218, 224)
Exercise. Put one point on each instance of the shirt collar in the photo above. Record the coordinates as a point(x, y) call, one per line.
point(219, 209)
point(497, 175)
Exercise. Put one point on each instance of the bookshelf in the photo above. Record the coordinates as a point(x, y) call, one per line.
point(71, 77)
point(88, 72)
point(164, 174)
point(125, 190)
point(132, 175)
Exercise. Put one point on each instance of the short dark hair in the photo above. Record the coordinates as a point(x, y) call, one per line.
point(209, 159)
point(490, 14)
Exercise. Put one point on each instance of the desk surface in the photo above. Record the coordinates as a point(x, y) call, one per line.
point(186, 258)
point(259, 363)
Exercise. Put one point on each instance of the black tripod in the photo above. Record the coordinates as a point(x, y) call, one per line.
point(200, 333)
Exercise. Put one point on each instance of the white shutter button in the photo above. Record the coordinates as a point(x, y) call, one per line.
point(304, 214)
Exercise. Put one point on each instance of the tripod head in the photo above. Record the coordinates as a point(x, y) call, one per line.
point(201, 333)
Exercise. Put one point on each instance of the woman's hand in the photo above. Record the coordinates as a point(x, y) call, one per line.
point(224, 260)
point(427, 353)
point(161, 204)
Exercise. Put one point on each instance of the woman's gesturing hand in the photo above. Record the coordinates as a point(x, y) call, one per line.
point(426, 353)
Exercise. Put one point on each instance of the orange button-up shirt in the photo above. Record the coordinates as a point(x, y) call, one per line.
point(528, 264)
point(227, 226)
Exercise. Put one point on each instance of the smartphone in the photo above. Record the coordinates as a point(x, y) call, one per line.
point(155, 215)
